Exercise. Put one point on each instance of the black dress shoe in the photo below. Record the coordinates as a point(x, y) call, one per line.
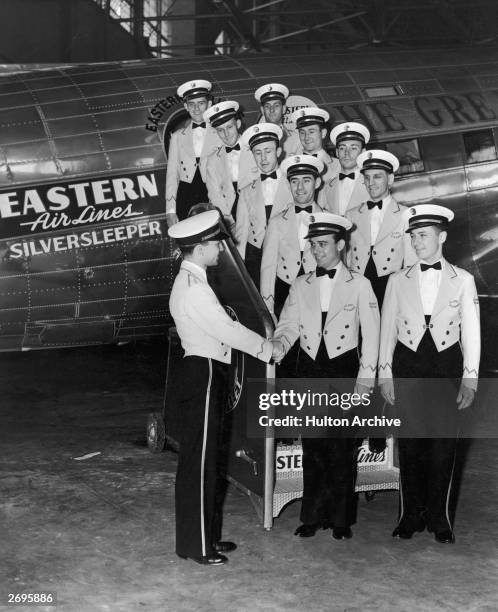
point(213, 559)
point(406, 529)
point(224, 547)
point(306, 531)
point(342, 533)
point(444, 536)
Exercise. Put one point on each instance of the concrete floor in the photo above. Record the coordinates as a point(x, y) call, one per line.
point(100, 532)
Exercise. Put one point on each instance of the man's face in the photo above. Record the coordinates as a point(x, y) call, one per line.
point(427, 243)
point(229, 132)
point(197, 107)
point(347, 151)
point(311, 137)
point(326, 251)
point(266, 156)
point(303, 187)
point(211, 252)
point(273, 111)
point(377, 182)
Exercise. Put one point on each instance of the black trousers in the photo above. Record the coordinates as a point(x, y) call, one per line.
point(189, 194)
point(329, 463)
point(200, 488)
point(253, 263)
point(427, 462)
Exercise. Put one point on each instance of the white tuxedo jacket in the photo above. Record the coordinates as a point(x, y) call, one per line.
point(455, 317)
point(282, 253)
point(182, 163)
point(250, 225)
point(392, 249)
point(352, 305)
point(219, 177)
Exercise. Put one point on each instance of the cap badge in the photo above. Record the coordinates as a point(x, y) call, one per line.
point(297, 159)
point(302, 113)
point(413, 211)
point(256, 129)
point(346, 128)
point(312, 218)
point(370, 155)
point(270, 88)
point(193, 84)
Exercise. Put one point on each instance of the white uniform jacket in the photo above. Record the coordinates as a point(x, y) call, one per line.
point(392, 249)
point(204, 327)
point(250, 225)
point(455, 317)
point(219, 177)
point(182, 161)
point(282, 253)
point(358, 195)
point(352, 304)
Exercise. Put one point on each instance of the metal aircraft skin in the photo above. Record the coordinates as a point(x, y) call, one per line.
point(84, 256)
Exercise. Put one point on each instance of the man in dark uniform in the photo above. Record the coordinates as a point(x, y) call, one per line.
point(207, 335)
point(430, 329)
point(326, 309)
point(188, 150)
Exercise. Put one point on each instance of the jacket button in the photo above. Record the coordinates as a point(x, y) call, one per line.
point(408, 331)
point(406, 322)
point(431, 325)
point(338, 348)
point(308, 348)
point(388, 259)
point(305, 337)
point(411, 341)
point(451, 322)
point(342, 337)
point(375, 252)
point(325, 333)
point(392, 250)
point(354, 248)
point(447, 332)
point(384, 268)
point(286, 276)
point(443, 342)
point(225, 354)
point(285, 267)
point(346, 326)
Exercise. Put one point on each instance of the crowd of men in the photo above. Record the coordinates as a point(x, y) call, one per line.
point(358, 288)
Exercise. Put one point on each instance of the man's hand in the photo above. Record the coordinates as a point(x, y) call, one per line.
point(171, 219)
point(387, 391)
point(278, 351)
point(465, 397)
point(361, 388)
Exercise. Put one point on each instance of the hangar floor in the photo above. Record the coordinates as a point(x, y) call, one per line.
point(100, 531)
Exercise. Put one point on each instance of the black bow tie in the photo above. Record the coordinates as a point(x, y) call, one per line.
point(343, 176)
point(300, 209)
point(323, 272)
point(272, 175)
point(196, 125)
point(437, 266)
point(235, 148)
point(371, 204)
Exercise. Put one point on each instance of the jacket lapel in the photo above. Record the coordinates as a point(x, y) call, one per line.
point(340, 293)
point(390, 221)
point(364, 223)
point(446, 287)
point(188, 140)
point(411, 292)
point(312, 298)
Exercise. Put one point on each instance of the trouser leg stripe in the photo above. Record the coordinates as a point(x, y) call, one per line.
point(203, 457)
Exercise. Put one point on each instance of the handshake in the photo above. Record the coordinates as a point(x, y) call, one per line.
point(278, 351)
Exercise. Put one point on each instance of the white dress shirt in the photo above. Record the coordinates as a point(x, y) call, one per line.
point(269, 188)
point(376, 218)
point(428, 283)
point(233, 163)
point(346, 187)
point(327, 285)
point(198, 135)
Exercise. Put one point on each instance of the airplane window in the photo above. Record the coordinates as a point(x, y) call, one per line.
point(408, 153)
point(443, 151)
point(479, 146)
point(382, 92)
